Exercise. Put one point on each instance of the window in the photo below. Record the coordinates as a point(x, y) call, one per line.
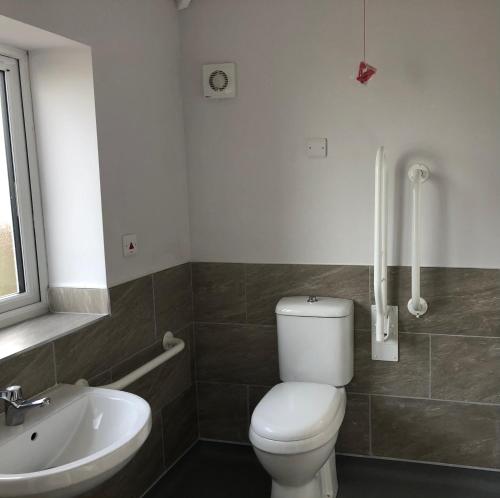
point(22, 279)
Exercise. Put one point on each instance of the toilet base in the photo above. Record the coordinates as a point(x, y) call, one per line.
point(324, 484)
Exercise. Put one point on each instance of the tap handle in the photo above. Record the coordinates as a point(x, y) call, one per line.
point(15, 393)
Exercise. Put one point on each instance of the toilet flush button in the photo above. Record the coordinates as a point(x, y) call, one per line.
point(316, 148)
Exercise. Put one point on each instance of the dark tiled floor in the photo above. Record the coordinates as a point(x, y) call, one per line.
point(215, 470)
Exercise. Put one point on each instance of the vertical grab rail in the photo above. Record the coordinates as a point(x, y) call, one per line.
point(380, 248)
point(418, 174)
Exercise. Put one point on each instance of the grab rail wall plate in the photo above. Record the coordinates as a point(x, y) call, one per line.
point(387, 350)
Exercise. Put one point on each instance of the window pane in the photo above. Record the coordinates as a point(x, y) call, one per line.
point(11, 269)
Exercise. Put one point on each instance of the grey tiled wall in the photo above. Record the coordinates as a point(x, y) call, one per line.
point(439, 403)
point(142, 310)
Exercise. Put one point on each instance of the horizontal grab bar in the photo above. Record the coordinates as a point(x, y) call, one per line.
point(172, 345)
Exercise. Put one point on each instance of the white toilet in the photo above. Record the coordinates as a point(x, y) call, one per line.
point(295, 426)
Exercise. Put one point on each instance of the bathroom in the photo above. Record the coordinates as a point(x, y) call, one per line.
point(159, 228)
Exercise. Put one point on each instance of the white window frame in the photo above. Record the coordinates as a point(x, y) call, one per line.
point(34, 300)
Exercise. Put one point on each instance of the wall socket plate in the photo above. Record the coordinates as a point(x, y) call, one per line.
point(387, 350)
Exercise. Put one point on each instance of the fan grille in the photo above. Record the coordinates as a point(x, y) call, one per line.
point(218, 81)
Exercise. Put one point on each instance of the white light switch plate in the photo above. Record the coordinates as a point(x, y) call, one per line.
point(129, 244)
point(317, 148)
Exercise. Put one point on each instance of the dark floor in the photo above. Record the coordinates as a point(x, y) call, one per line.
point(216, 470)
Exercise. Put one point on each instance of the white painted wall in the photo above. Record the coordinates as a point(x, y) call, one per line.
point(255, 197)
point(135, 52)
point(64, 112)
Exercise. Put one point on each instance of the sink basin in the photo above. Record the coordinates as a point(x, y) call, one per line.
point(84, 437)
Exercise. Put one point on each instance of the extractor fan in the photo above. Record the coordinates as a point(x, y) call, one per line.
point(219, 81)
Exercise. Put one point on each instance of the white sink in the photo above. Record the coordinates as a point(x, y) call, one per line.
point(84, 437)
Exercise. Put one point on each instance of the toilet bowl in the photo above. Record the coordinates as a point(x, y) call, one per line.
point(293, 431)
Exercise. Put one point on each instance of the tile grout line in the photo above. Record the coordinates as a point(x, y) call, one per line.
point(163, 438)
point(424, 398)
point(197, 409)
point(245, 291)
point(192, 291)
point(430, 366)
point(248, 404)
point(154, 304)
point(420, 462)
point(53, 345)
point(193, 352)
point(370, 433)
point(240, 324)
point(435, 334)
point(357, 330)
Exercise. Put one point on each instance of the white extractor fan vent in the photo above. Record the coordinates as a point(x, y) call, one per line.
point(219, 81)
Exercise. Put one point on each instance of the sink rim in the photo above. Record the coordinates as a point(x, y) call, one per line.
point(135, 438)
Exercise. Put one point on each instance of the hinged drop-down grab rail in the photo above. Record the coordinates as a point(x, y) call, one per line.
point(380, 247)
point(384, 317)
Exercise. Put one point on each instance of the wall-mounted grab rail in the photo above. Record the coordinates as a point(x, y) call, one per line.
point(172, 345)
point(380, 247)
point(418, 174)
point(385, 346)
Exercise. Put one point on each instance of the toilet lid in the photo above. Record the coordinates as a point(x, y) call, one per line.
point(293, 411)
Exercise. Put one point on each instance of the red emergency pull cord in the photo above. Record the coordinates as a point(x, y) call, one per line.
point(365, 71)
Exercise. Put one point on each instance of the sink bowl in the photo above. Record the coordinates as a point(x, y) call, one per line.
point(84, 437)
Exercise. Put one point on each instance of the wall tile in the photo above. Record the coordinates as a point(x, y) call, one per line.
point(130, 328)
point(33, 371)
point(461, 300)
point(180, 425)
point(101, 379)
point(164, 383)
point(219, 292)
point(407, 377)
point(436, 431)
point(255, 394)
point(354, 436)
point(139, 474)
point(244, 354)
point(222, 411)
point(173, 298)
point(266, 284)
point(466, 368)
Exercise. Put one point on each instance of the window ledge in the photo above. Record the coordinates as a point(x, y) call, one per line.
point(41, 330)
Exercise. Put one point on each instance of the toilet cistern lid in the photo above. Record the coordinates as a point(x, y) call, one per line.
point(321, 307)
point(294, 411)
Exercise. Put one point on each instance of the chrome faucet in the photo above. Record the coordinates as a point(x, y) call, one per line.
point(16, 405)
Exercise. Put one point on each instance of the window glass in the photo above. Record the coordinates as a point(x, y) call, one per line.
point(11, 270)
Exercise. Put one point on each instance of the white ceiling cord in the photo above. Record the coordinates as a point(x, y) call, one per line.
point(182, 4)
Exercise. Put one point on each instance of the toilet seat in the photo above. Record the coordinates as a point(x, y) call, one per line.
point(295, 417)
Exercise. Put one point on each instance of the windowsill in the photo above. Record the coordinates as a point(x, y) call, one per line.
point(41, 330)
